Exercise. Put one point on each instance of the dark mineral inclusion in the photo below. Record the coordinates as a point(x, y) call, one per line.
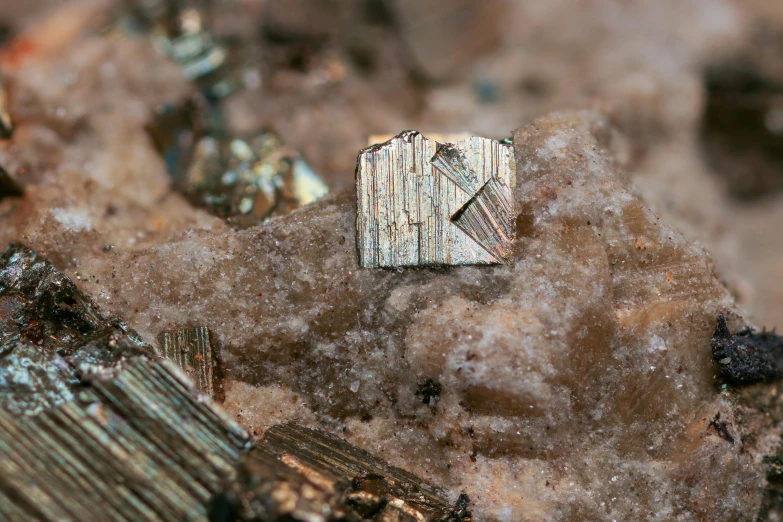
point(747, 357)
point(95, 426)
point(9, 188)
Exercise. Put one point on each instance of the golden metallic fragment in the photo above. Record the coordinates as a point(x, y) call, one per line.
point(191, 349)
point(422, 203)
point(302, 474)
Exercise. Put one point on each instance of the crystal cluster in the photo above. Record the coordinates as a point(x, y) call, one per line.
point(244, 179)
point(94, 426)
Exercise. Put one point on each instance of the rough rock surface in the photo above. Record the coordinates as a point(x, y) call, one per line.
point(575, 384)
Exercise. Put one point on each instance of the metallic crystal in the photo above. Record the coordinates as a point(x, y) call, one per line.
point(191, 349)
point(180, 32)
point(244, 179)
point(440, 137)
point(51, 335)
point(302, 474)
point(141, 445)
point(248, 180)
point(489, 219)
point(425, 203)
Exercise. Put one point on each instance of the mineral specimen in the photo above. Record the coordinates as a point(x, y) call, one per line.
point(140, 445)
point(309, 475)
point(247, 181)
point(191, 349)
point(268, 490)
point(50, 333)
point(90, 427)
point(180, 30)
point(573, 333)
point(244, 179)
point(585, 358)
point(424, 203)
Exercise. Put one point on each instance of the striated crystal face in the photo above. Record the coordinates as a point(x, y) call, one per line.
point(423, 203)
point(303, 474)
point(140, 445)
point(192, 350)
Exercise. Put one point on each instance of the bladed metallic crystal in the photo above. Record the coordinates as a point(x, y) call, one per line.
point(423, 203)
point(489, 219)
point(191, 349)
point(452, 162)
point(244, 179)
point(140, 445)
point(51, 335)
point(302, 474)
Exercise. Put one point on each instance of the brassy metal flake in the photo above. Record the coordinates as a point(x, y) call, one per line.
point(191, 349)
point(309, 475)
point(421, 202)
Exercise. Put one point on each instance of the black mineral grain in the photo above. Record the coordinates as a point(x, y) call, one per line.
point(746, 357)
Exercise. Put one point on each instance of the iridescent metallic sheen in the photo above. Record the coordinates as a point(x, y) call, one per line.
point(423, 203)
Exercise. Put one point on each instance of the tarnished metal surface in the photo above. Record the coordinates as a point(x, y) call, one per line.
point(424, 203)
point(191, 349)
point(488, 218)
point(141, 445)
point(310, 475)
point(51, 334)
point(249, 179)
point(243, 179)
